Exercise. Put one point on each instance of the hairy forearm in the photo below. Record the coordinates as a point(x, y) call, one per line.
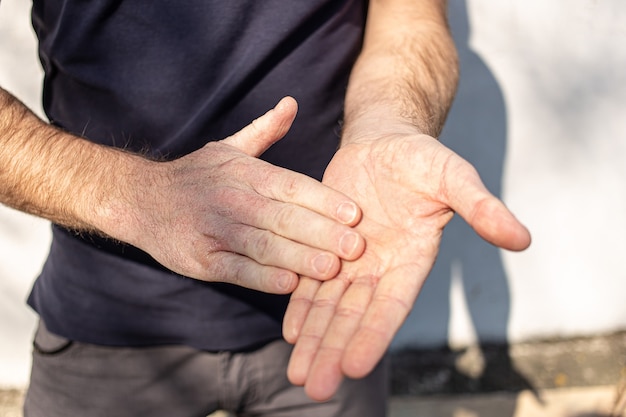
point(407, 73)
point(58, 176)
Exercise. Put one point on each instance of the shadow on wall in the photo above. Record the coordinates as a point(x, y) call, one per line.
point(477, 130)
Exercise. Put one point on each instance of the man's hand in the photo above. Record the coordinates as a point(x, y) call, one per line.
point(222, 214)
point(217, 214)
point(408, 187)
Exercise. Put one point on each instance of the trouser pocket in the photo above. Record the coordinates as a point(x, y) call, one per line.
point(47, 343)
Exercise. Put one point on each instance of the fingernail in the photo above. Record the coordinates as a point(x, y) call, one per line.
point(322, 263)
point(284, 282)
point(347, 212)
point(348, 243)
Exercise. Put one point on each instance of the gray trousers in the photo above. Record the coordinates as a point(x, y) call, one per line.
point(75, 379)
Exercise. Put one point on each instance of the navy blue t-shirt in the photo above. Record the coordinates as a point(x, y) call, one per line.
point(162, 78)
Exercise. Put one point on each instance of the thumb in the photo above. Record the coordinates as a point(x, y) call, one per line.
point(268, 129)
point(485, 213)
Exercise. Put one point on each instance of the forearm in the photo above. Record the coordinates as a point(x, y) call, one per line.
point(58, 176)
point(406, 75)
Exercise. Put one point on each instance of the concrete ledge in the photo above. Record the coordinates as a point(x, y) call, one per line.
point(563, 402)
point(11, 401)
point(593, 361)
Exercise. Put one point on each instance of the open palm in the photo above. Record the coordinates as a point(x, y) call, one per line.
point(409, 187)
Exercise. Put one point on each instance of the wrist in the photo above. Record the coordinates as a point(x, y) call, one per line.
point(377, 105)
point(122, 195)
point(374, 125)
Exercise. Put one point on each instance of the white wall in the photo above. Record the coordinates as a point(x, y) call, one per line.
point(540, 112)
point(563, 68)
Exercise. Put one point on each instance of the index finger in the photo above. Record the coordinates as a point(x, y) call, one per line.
point(282, 184)
point(291, 187)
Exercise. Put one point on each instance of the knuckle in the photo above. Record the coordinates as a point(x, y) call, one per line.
point(393, 302)
point(309, 338)
point(222, 197)
point(379, 332)
point(223, 268)
point(214, 238)
point(215, 267)
point(261, 246)
point(236, 273)
point(284, 218)
point(324, 304)
point(349, 312)
point(290, 187)
point(258, 129)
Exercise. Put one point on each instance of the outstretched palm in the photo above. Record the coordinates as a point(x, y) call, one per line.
point(408, 187)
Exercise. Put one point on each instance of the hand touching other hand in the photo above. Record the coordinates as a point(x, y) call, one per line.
point(408, 187)
point(222, 214)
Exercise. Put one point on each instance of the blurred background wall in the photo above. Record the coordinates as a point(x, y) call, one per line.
point(541, 114)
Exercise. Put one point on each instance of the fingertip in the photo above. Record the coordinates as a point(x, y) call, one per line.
point(522, 241)
point(294, 378)
point(296, 374)
point(317, 393)
point(265, 130)
point(285, 283)
point(349, 213)
point(495, 223)
point(288, 103)
point(325, 266)
point(361, 356)
point(529, 238)
point(514, 235)
point(353, 368)
point(352, 246)
point(290, 334)
point(322, 387)
point(287, 108)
